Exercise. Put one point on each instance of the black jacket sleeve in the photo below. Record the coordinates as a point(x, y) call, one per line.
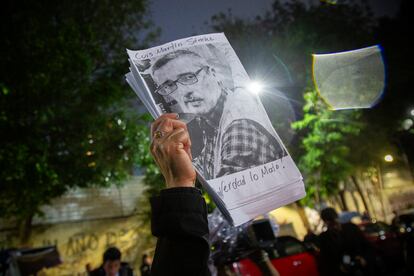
point(179, 221)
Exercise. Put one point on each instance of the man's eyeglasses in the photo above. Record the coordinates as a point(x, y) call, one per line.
point(186, 79)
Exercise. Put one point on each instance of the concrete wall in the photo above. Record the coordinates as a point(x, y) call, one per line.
point(84, 222)
point(80, 243)
point(94, 203)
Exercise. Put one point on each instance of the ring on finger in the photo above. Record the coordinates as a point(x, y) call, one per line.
point(158, 134)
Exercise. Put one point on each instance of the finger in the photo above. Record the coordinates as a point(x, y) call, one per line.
point(164, 116)
point(184, 138)
point(168, 125)
point(177, 137)
point(181, 140)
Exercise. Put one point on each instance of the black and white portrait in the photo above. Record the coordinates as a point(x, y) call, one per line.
point(204, 84)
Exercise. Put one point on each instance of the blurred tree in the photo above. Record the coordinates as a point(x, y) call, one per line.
point(65, 119)
point(332, 147)
point(328, 146)
point(325, 160)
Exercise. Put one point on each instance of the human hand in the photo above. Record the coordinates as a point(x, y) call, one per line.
point(171, 149)
point(261, 259)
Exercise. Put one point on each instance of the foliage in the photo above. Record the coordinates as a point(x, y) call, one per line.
point(328, 146)
point(326, 157)
point(66, 117)
point(292, 31)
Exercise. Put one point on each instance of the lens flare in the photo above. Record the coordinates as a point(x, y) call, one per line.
point(255, 87)
point(281, 111)
point(352, 79)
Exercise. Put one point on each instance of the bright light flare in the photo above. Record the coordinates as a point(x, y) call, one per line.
point(388, 158)
point(255, 87)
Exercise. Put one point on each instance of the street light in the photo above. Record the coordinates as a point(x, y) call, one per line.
point(388, 158)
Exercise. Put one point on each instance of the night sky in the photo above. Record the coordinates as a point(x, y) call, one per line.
point(182, 18)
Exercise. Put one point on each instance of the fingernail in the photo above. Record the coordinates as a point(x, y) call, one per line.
point(177, 116)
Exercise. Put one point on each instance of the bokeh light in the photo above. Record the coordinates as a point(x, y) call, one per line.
point(407, 124)
point(352, 79)
point(388, 158)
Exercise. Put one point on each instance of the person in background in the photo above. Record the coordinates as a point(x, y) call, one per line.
point(146, 265)
point(343, 248)
point(311, 239)
point(365, 216)
point(111, 265)
point(261, 259)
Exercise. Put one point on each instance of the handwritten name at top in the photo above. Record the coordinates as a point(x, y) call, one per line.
point(192, 41)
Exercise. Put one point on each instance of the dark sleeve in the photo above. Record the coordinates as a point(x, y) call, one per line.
point(247, 144)
point(179, 221)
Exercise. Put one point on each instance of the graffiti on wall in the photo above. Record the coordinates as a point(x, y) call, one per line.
point(81, 244)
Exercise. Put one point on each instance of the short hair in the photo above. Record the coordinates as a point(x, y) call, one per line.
point(171, 56)
point(329, 214)
point(112, 254)
point(144, 257)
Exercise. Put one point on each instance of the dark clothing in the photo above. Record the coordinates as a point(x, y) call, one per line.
point(348, 240)
point(125, 270)
point(179, 221)
point(145, 270)
point(312, 239)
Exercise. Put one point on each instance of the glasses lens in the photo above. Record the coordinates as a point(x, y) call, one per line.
point(167, 88)
point(189, 78)
point(186, 79)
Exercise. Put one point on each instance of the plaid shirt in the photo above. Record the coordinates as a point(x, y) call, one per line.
point(245, 144)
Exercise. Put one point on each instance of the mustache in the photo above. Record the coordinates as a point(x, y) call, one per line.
point(192, 99)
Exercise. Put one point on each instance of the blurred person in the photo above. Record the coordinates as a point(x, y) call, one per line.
point(229, 139)
point(88, 268)
point(365, 216)
point(261, 259)
point(112, 265)
point(311, 238)
point(145, 267)
point(343, 248)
